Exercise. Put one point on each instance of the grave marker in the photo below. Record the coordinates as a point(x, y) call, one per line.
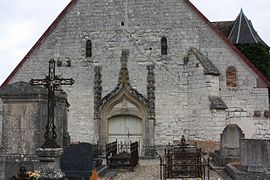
point(229, 145)
point(77, 161)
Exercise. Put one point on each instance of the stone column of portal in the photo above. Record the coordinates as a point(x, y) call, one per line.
point(97, 100)
point(151, 106)
point(66, 136)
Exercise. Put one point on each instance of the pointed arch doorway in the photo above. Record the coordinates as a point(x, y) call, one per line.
point(124, 117)
point(124, 113)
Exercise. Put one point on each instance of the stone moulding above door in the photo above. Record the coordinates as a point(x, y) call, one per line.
point(124, 91)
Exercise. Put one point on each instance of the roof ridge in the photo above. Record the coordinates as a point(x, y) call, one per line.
point(243, 31)
point(249, 28)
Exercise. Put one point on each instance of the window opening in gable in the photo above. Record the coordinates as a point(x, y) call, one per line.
point(164, 46)
point(88, 48)
point(231, 77)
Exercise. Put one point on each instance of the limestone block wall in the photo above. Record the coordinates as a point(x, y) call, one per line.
point(139, 26)
point(24, 122)
point(1, 146)
point(1, 122)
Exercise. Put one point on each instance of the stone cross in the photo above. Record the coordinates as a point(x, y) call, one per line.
point(51, 82)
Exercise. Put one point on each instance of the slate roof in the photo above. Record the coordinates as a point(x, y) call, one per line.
point(243, 31)
point(224, 26)
point(209, 67)
point(217, 103)
point(240, 31)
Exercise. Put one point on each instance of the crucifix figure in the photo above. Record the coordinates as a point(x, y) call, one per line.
point(51, 82)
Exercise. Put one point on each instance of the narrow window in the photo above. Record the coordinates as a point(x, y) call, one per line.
point(164, 46)
point(88, 48)
point(231, 77)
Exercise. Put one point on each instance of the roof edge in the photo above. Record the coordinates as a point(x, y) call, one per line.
point(41, 39)
point(226, 40)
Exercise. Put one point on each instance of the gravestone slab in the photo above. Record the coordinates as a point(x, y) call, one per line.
point(239, 173)
point(254, 161)
point(230, 140)
point(255, 154)
point(77, 161)
point(229, 145)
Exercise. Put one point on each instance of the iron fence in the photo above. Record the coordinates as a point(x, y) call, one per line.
point(184, 161)
point(124, 155)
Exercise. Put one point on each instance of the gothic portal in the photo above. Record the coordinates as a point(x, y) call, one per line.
point(125, 114)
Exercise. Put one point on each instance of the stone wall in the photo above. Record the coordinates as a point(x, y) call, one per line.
point(1, 146)
point(182, 91)
point(1, 122)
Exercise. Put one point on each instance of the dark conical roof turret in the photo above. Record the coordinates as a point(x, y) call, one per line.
point(243, 31)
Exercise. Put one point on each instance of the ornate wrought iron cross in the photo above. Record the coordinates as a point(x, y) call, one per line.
point(51, 82)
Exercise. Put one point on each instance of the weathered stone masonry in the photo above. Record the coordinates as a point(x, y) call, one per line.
point(182, 89)
point(24, 117)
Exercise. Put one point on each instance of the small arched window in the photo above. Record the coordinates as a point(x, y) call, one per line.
point(231, 77)
point(164, 46)
point(88, 48)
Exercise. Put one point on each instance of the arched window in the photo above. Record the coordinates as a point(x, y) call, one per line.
point(231, 77)
point(164, 46)
point(88, 48)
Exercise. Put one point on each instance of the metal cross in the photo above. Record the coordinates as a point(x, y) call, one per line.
point(51, 82)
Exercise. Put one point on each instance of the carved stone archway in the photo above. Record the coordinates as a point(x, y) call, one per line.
point(140, 106)
point(107, 112)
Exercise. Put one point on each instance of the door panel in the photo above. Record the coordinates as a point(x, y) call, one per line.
point(125, 129)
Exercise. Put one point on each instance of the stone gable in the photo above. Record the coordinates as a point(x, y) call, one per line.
point(182, 88)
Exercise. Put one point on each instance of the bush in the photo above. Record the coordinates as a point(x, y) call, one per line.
point(259, 55)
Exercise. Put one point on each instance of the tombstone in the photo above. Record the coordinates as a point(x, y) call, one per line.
point(254, 161)
point(24, 118)
point(255, 154)
point(229, 145)
point(77, 161)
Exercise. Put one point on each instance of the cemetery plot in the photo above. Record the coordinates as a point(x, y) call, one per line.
point(183, 161)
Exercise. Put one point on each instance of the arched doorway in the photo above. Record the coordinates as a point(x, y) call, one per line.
point(124, 118)
point(125, 113)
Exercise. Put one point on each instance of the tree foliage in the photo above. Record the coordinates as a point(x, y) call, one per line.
point(259, 55)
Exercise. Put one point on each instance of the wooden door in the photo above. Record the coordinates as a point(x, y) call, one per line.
point(125, 129)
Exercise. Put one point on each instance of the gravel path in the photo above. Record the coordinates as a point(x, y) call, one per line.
point(149, 170)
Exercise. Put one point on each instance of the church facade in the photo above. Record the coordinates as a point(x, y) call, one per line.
point(150, 71)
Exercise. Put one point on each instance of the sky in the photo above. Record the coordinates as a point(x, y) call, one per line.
point(22, 22)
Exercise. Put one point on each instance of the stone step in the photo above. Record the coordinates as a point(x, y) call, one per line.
point(104, 171)
point(101, 171)
point(110, 174)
